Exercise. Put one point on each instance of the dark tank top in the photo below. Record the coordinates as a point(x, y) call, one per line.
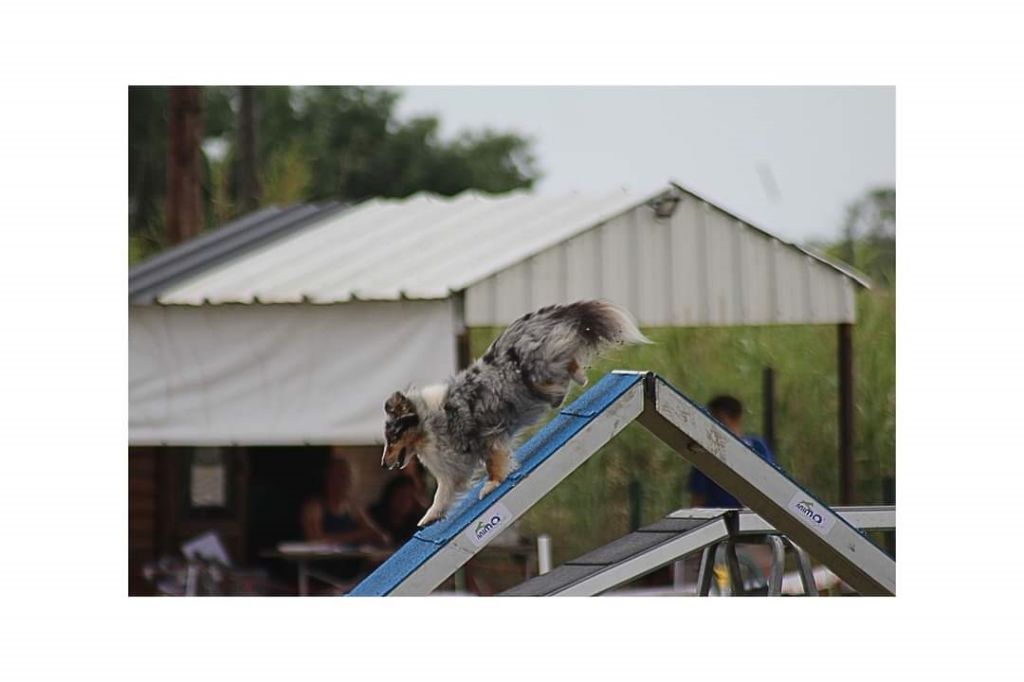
point(337, 523)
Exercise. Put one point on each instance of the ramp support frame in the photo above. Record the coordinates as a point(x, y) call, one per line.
point(583, 428)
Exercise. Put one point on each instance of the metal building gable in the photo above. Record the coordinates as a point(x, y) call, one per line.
point(511, 253)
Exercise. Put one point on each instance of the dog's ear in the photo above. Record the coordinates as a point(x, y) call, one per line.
point(398, 405)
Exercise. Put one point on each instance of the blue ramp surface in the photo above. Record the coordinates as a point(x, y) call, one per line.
point(429, 541)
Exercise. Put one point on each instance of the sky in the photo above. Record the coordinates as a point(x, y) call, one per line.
point(787, 159)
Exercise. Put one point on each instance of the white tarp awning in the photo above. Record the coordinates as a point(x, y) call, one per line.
point(279, 374)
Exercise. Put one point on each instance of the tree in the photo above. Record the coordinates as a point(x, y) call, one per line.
point(147, 165)
point(869, 235)
point(284, 144)
point(184, 212)
point(249, 189)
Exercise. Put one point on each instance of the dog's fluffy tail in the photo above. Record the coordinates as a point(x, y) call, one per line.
point(559, 334)
point(613, 324)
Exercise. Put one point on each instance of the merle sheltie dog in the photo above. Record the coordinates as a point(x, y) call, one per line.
point(467, 425)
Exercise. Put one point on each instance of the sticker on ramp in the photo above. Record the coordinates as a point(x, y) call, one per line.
point(812, 513)
point(490, 523)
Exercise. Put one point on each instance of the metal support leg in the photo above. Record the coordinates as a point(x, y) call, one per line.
point(543, 553)
point(778, 565)
point(192, 579)
point(678, 575)
point(707, 571)
point(735, 576)
point(303, 578)
point(803, 562)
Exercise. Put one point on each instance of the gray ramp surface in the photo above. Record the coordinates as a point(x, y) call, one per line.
point(632, 547)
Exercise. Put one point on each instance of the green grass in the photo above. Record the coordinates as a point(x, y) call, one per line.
point(592, 505)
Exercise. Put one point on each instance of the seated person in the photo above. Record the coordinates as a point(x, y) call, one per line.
point(399, 509)
point(333, 517)
point(703, 491)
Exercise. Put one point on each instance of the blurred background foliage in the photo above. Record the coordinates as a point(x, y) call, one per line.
point(310, 144)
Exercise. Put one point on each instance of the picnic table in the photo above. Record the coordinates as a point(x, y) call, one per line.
point(303, 554)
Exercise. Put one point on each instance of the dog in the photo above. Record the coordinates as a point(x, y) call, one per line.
point(468, 425)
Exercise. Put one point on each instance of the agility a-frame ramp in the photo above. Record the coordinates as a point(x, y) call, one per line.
point(776, 503)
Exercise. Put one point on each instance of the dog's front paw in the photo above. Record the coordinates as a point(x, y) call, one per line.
point(488, 488)
point(428, 518)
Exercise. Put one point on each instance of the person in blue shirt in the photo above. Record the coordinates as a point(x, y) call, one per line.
point(703, 491)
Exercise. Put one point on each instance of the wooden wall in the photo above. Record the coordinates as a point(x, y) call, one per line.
point(159, 520)
point(142, 516)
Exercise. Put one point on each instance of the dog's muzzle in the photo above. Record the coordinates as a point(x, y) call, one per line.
point(400, 461)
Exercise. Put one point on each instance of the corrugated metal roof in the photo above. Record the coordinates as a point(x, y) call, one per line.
point(513, 252)
point(148, 279)
point(422, 247)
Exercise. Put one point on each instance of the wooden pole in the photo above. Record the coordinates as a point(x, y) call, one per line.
point(847, 475)
point(636, 504)
point(889, 497)
point(768, 406)
point(184, 210)
point(463, 355)
point(249, 190)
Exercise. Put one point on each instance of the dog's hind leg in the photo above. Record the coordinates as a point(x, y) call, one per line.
point(499, 466)
point(443, 499)
point(576, 372)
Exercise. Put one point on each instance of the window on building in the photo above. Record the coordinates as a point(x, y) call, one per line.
point(208, 479)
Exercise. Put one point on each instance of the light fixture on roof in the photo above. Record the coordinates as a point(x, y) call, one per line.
point(665, 205)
